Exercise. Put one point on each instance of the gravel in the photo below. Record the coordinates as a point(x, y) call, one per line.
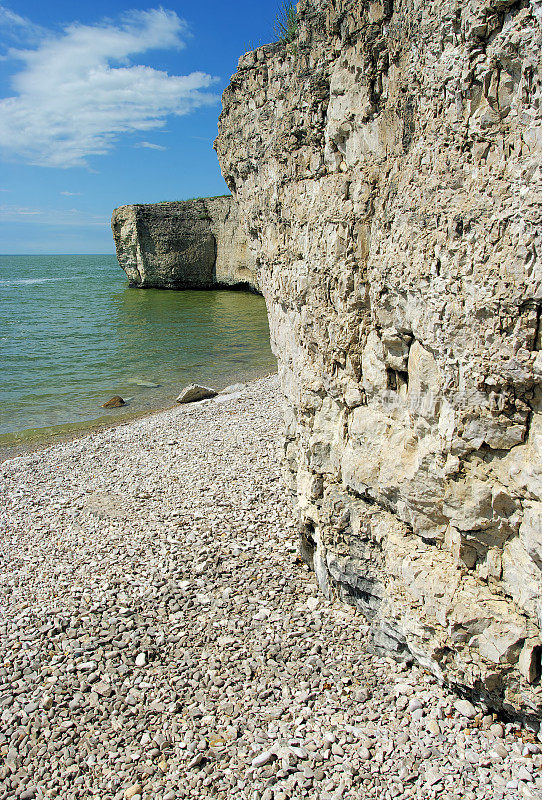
point(161, 639)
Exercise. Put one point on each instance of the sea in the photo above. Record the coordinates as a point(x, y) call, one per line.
point(73, 333)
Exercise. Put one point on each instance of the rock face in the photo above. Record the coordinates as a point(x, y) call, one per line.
point(387, 166)
point(194, 244)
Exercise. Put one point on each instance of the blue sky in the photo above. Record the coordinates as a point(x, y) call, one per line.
point(104, 104)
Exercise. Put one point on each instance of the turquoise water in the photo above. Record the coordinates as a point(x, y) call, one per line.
point(72, 334)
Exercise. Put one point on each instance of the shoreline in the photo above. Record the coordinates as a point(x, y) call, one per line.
point(80, 430)
point(162, 640)
point(143, 345)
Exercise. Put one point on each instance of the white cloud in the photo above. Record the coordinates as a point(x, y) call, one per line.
point(71, 102)
point(9, 213)
point(16, 27)
point(71, 194)
point(151, 146)
point(51, 216)
point(9, 19)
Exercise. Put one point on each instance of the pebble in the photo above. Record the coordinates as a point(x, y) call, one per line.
point(263, 758)
point(465, 708)
point(432, 776)
point(162, 638)
point(499, 749)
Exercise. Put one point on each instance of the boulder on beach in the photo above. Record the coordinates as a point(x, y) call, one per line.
point(115, 402)
point(194, 392)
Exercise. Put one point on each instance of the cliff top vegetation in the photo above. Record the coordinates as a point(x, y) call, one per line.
point(286, 23)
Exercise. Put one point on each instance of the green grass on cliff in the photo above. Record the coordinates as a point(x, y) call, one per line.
point(191, 199)
point(286, 23)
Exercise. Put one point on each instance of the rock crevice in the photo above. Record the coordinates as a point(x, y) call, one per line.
point(387, 169)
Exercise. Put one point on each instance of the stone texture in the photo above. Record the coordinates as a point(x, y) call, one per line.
point(387, 168)
point(194, 392)
point(255, 686)
point(192, 244)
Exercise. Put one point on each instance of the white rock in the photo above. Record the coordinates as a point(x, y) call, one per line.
point(498, 749)
point(87, 666)
point(465, 708)
point(433, 776)
point(263, 758)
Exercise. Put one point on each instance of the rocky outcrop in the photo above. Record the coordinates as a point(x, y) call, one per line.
point(194, 244)
point(387, 166)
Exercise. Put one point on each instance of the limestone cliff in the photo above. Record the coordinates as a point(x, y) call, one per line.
point(387, 166)
point(183, 245)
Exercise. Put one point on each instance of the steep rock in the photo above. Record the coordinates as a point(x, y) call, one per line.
point(387, 166)
point(191, 244)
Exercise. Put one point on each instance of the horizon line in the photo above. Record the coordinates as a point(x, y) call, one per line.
point(57, 254)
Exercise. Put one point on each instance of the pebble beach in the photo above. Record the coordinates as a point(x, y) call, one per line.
point(160, 638)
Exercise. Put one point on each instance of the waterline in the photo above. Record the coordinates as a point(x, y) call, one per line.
point(72, 334)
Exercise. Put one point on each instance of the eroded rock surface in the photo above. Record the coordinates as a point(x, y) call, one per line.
point(192, 244)
point(388, 169)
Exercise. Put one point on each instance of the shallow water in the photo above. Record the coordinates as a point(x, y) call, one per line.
point(73, 333)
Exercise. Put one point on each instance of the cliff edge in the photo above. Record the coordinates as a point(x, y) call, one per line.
point(387, 167)
point(192, 244)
